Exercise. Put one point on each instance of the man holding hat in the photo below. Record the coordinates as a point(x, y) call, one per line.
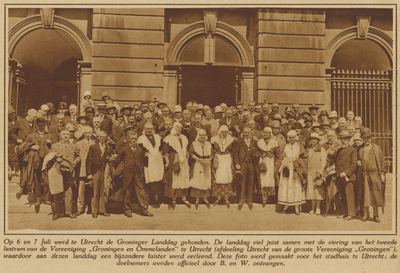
point(83, 183)
point(42, 144)
point(62, 174)
point(346, 164)
point(373, 168)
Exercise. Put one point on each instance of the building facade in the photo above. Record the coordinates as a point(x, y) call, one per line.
point(338, 59)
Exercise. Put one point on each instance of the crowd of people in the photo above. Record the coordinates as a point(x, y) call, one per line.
point(77, 159)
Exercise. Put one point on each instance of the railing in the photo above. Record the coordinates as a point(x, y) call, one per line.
point(369, 95)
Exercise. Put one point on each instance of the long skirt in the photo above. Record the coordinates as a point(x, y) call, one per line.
point(199, 193)
point(314, 192)
point(291, 191)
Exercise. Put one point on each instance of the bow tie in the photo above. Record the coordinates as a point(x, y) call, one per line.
point(133, 145)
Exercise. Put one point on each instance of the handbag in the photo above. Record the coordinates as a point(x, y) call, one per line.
point(262, 166)
point(285, 172)
point(176, 168)
point(215, 163)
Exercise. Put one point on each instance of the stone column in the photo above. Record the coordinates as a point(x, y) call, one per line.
point(84, 79)
point(170, 89)
point(247, 87)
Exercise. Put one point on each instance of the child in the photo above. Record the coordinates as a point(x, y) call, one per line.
point(87, 101)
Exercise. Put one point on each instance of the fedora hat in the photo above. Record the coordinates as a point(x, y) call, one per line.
point(333, 114)
point(366, 132)
point(306, 111)
point(105, 94)
point(161, 104)
point(65, 167)
point(82, 116)
point(313, 107)
point(11, 109)
point(127, 107)
point(323, 113)
point(315, 135)
point(344, 134)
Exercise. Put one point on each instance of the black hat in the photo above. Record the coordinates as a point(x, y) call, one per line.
point(40, 121)
point(297, 125)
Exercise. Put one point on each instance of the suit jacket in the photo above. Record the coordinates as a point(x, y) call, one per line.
point(261, 122)
point(233, 124)
point(133, 164)
point(335, 146)
point(44, 147)
point(242, 153)
point(83, 148)
point(55, 131)
point(95, 161)
point(193, 132)
point(106, 125)
point(24, 128)
point(346, 161)
point(68, 151)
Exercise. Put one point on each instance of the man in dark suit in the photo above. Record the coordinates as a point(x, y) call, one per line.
point(97, 158)
point(26, 126)
point(195, 126)
point(263, 120)
point(332, 143)
point(231, 121)
point(346, 160)
point(245, 158)
point(133, 175)
point(42, 143)
point(55, 129)
point(83, 187)
point(105, 122)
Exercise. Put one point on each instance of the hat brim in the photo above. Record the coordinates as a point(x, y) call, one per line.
point(366, 135)
point(126, 108)
point(333, 116)
point(342, 137)
point(161, 104)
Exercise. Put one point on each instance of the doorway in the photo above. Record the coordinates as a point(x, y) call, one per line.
point(209, 85)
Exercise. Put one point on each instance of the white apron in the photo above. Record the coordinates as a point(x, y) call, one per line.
point(155, 170)
point(223, 174)
point(179, 180)
point(267, 178)
point(201, 172)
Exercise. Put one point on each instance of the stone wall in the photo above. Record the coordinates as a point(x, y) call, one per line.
point(128, 52)
point(289, 56)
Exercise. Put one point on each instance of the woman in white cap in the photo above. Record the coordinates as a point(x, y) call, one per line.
point(292, 174)
point(176, 179)
point(269, 154)
point(314, 189)
point(200, 168)
point(87, 101)
point(222, 164)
